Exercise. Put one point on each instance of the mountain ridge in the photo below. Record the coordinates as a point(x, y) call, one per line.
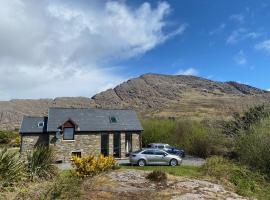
point(152, 95)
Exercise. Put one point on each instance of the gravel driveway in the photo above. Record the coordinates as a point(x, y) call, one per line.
point(187, 161)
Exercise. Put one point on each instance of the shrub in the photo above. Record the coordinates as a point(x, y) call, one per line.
point(245, 121)
point(195, 137)
point(91, 165)
point(200, 139)
point(245, 181)
point(7, 136)
point(157, 176)
point(252, 147)
point(66, 187)
point(158, 130)
point(41, 163)
point(11, 168)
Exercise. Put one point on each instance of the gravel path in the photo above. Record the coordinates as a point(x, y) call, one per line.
point(188, 160)
point(193, 161)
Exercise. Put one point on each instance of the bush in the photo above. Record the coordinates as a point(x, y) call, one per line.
point(245, 181)
point(158, 130)
point(196, 138)
point(157, 176)
point(66, 187)
point(200, 139)
point(6, 137)
point(41, 163)
point(11, 168)
point(244, 122)
point(252, 147)
point(91, 165)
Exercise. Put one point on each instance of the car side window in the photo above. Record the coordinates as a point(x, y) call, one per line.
point(160, 146)
point(148, 152)
point(159, 153)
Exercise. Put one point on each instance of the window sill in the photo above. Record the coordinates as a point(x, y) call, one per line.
point(68, 140)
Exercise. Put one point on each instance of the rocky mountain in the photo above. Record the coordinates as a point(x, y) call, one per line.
point(152, 95)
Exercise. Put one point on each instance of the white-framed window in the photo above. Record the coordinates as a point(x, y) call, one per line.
point(68, 134)
point(40, 124)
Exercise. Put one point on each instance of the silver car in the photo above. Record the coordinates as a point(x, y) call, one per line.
point(153, 157)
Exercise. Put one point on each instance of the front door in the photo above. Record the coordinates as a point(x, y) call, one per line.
point(105, 144)
point(116, 145)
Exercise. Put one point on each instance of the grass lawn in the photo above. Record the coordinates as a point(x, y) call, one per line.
point(191, 171)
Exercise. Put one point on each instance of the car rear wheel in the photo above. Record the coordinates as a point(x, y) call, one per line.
point(141, 163)
point(173, 162)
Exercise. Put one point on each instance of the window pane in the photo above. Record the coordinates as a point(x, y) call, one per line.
point(149, 152)
point(68, 133)
point(159, 153)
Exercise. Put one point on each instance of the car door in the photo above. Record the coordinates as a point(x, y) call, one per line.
point(149, 156)
point(160, 157)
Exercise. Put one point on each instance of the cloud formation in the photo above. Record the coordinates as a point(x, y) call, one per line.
point(63, 48)
point(241, 34)
point(264, 46)
point(189, 71)
point(240, 58)
point(218, 29)
point(239, 18)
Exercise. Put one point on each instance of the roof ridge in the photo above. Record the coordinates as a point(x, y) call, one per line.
point(34, 116)
point(90, 108)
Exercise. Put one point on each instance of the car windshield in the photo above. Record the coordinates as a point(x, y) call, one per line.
point(169, 147)
point(138, 151)
point(149, 146)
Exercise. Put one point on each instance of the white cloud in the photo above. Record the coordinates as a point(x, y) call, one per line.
point(239, 18)
point(265, 46)
point(268, 89)
point(240, 58)
point(240, 35)
point(60, 48)
point(218, 30)
point(189, 71)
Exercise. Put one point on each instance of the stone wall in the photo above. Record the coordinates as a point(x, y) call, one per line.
point(29, 141)
point(123, 145)
point(111, 144)
point(136, 141)
point(86, 143)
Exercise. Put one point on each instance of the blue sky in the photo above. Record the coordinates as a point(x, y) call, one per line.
point(52, 48)
point(206, 47)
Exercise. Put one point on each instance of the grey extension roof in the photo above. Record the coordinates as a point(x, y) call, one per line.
point(30, 124)
point(86, 119)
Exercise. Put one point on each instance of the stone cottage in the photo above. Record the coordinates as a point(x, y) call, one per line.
point(83, 131)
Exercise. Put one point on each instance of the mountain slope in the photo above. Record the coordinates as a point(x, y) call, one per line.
point(151, 95)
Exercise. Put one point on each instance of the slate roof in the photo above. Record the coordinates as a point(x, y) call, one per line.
point(86, 119)
point(30, 125)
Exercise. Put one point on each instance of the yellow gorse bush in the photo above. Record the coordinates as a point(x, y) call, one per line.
point(91, 165)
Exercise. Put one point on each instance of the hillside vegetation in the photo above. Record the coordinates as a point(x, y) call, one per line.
point(241, 144)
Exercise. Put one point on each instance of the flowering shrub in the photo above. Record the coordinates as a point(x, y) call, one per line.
point(91, 165)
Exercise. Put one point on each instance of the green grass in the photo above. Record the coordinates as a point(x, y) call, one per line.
point(190, 171)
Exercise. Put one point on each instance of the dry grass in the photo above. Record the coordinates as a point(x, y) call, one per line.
point(195, 105)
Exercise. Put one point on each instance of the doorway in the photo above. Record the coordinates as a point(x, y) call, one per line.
point(105, 144)
point(116, 145)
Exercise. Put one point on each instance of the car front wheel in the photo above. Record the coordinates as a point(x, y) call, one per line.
point(141, 163)
point(173, 162)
